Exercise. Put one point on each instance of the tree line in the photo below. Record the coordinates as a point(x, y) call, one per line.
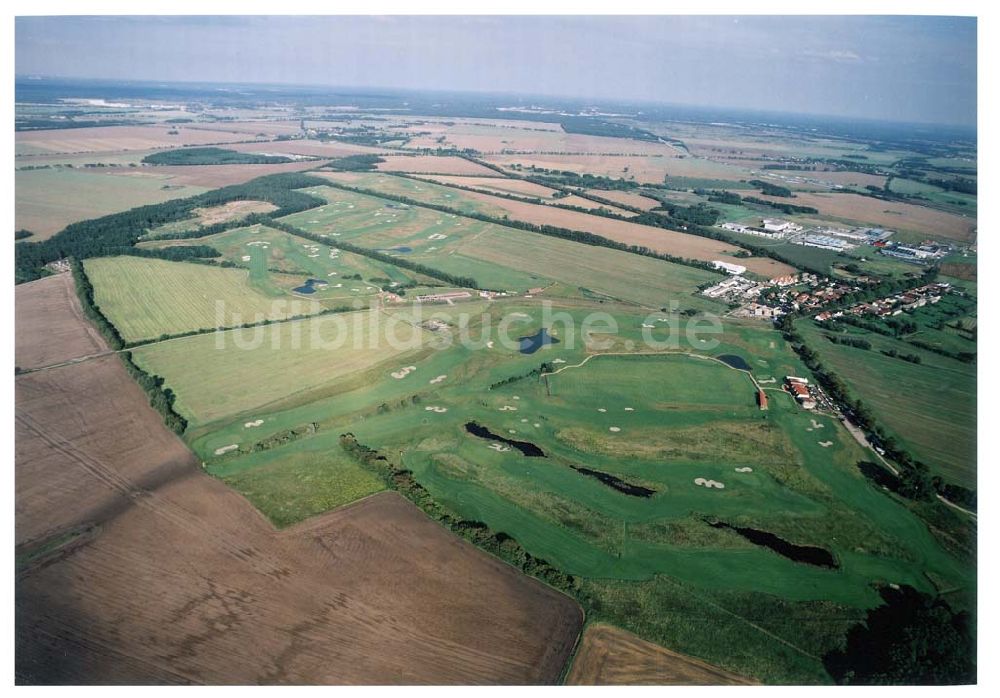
point(160, 398)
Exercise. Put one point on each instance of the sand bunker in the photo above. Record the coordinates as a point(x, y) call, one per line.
point(825, 444)
point(816, 425)
point(765, 381)
point(615, 429)
point(558, 361)
point(499, 447)
point(489, 345)
point(226, 449)
point(709, 483)
point(512, 431)
point(403, 372)
point(524, 421)
point(536, 425)
point(436, 236)
point(630, 409)
point(435, 408)
point(245, 258)
point(254, 423)
point(508, 408)
point(601, 409)
point(745, 469)
point(647, 326)
point(437, 380)
point(515, 397)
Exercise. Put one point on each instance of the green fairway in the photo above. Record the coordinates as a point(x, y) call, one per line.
point(930, 407)
point(146, 298)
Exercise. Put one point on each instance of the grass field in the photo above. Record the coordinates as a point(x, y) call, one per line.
point(300, 485)
point(46, 201)
point(146, 298)
point(224, 374)
point(930, 407)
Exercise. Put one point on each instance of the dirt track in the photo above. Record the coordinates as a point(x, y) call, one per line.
point(134, 566)
point(610, 656)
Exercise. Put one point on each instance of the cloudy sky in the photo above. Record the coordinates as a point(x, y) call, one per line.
point(894, 68)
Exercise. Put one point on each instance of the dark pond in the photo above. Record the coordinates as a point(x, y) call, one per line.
point(533, 342)
point(402, 248)
point(734, 361)
point(616, 482)
point(808, 554)
point(309, 286)
point(526, 447)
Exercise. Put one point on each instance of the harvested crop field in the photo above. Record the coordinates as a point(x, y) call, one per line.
point(117, 138)
point(889, 214)
point(215, 176)
point(46, 201)
point(49, 308)
point(611, 656)
point(430, 164)
point(133, 566)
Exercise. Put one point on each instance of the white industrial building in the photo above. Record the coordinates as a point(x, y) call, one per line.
point(729, 267)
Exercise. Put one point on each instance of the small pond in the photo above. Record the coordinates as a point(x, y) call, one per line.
point(734, 361)
point(309, 286)
point(526, 447)
point(533, 342)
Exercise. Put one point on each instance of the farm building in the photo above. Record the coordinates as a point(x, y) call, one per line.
point(761, 399)
point(775, 225)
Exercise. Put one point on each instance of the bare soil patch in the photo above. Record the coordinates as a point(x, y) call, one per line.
point(610, 656)
point(118, 138)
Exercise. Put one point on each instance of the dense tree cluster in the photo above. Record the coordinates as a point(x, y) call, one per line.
point(912, 639)
point(211, 156)
point(771, 189)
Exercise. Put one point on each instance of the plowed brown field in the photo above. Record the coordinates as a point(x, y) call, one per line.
point(134, 566)
point(610, 656)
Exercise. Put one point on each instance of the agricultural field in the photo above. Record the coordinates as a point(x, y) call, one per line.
point(48, 200)
point(147, 298)
point(609, 656)
point(657, 239)
point(429, 164)
point(930, 407)
point(117, 138)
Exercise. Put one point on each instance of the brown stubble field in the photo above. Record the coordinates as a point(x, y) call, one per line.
point(610, 656)
point(134, 566)
point(118, 138)
point(433, 164)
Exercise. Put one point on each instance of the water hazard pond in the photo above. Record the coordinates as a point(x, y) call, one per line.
point(310, 286)
point(533, 342)
point(807, 554)
point(734, 361)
